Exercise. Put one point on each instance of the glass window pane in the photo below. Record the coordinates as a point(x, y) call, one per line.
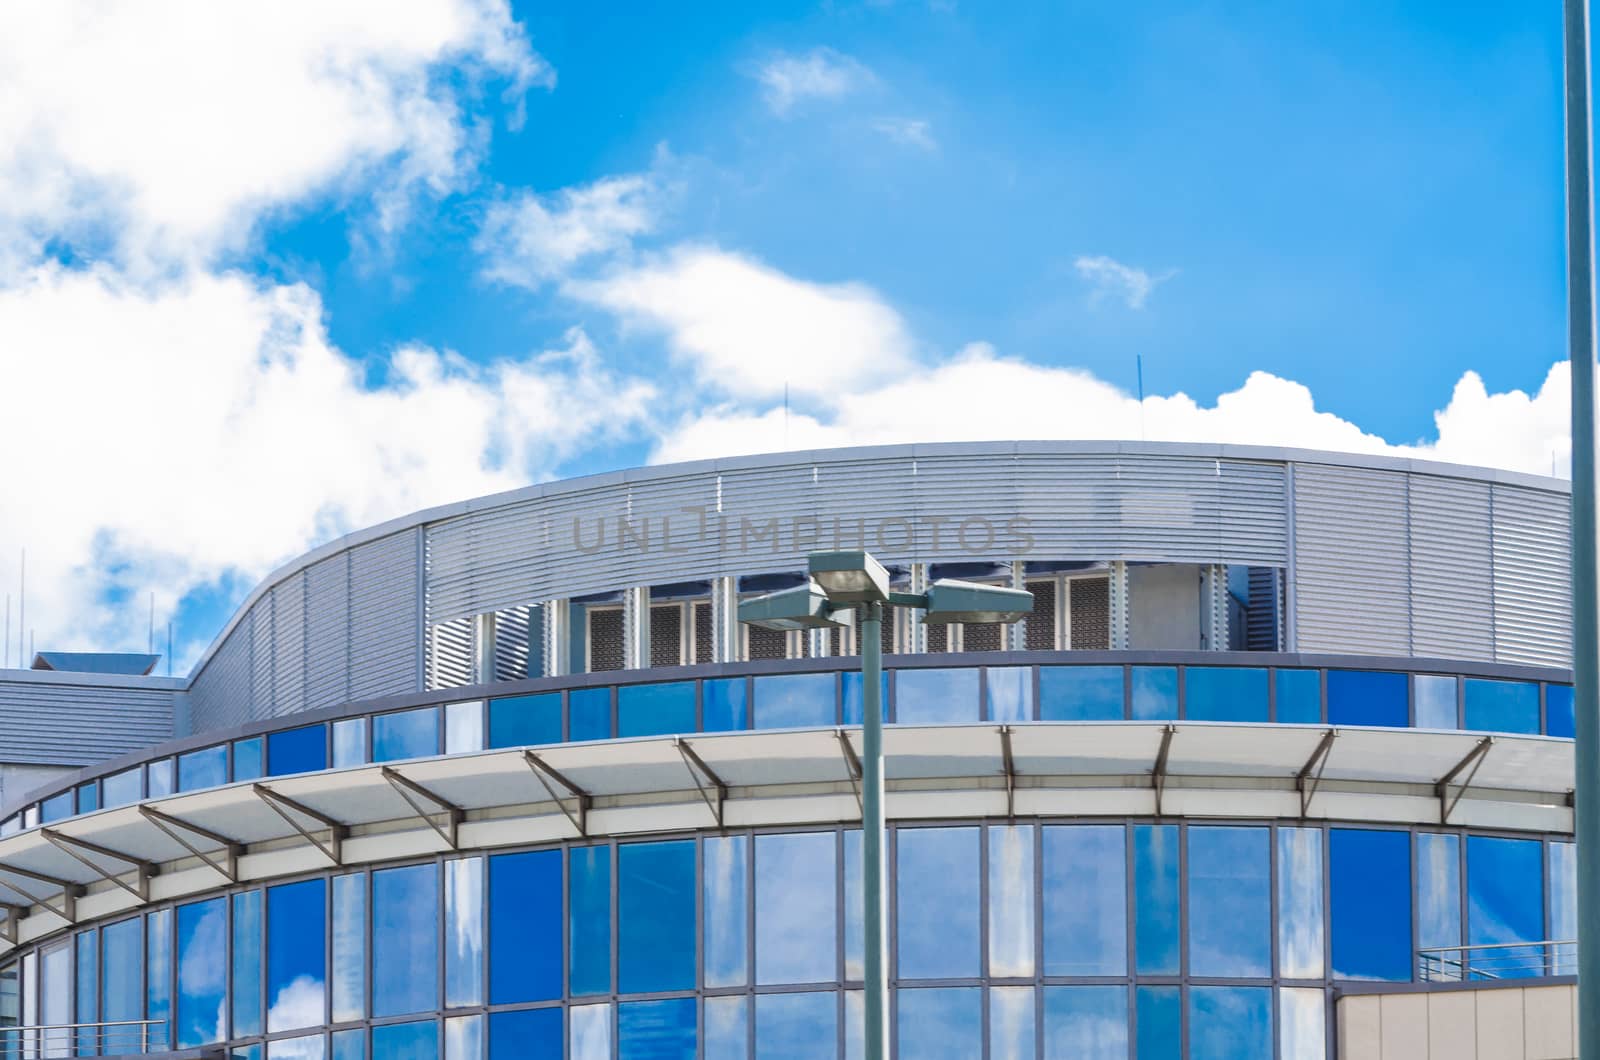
point(248, 1052)
point(796, 908)
point(248, 757)
point(161, 779)
point(590, 913)
point(1011, 931)
point(1559, 717)
point(87, 970)
point(55, 991)
point(1010, 693)
point(1224, 693)
point(405, 734)
point(463, 932)
point(463, 1038)
point(202, 972)
point(1156, 901)
point(349, 742)
point(302, 750)
point(1369, 903)
point(1435, 698)
point(158, 976)
point(1085, 901)
point(405, 940)
point(1438, 898)
point(524, 927)
point(1230, 902)
point(463, 729)
point(936, 897)
point(1563, 869)
point(349, 1045)
point(936, 697)
point(1154, 691)
point(246, 994)
point(206, 768)
point(855, 1025)
point(1300, 943)
point(940, 1024)
point(1368, 697)
point(854, 912)
point(349, 947)
point(1085, 1022)
point(727, 1028)
point(655, 710)
point(1505, 903)
point(56, 807)
point(1501, 706)
point(296, 969)
point(726, 910)
point(794, 1025)
point(1302, 1026)
point(1298, 696)
point(406, 1041)
point(723, 707)
point(519, 721)
point(1011, 1023)
point(850, 706)
point(307, 1047)
point(591, 1033)
point(532, 1032)
point(655, 917)
point(591, 716)
point(657, 1030)
point(1158, 1016)
point(1230, 1023)
point(794, 701)
point(1080, 693)
point(88, 797)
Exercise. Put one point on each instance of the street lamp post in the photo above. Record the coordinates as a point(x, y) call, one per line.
point(841, 581)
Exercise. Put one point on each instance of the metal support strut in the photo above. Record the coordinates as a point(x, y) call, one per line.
point(544, 774)
point(410, 791)
point(228, 867)
point(79, 849)
point(852, 762)
point(697, 769)
point(1310, 775)
point(1474, 759)
point(333, 849)
point(1158, 779)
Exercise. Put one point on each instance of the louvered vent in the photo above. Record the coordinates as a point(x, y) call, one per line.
point(450, 654)
point(702, 633)
point(1090, 600)
point(768, 643)
point(666, 635)
point(605, 639)
point(1041, 630)
point(983, 636)
point(513, 643)
point(1264, 616)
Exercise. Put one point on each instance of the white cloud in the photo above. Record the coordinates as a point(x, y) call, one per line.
point(163, 131)
point(1110, 278)
point(908, 132)
point(749, 330)
point(820, 74)
point(535, 238)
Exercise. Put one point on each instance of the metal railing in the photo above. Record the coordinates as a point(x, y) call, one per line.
point(1500, 960)
point(114, 1038)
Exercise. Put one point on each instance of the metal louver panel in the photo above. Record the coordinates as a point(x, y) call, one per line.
point(450, 654)
point(513, 644)
point(1451, 569)
point(1532, 580)
point(288, 645)
point(1352, 561)
point(385, 605)
point(666, 635)
point(1264, 609)
point(1089, 613)
point(981, 636)
point(327, 649)
point(78, 725)
point(766, 643)
point(1041, 623)
point(261, 659)
point(605, 639)
point(702, 633)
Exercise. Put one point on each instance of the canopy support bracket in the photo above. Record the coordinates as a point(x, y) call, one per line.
point(852, 762)
point(1159, 774)
point(228, 867)
point(1310, 775)
point(453, 815)
point(1009, 764)
point(1474, 759)
point(698, 768)
point(8, 929)
point(79, 849)
point(544, 773)
point(333, 849)
point(67, 910)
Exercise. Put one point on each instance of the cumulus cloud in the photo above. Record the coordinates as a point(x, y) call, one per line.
point(788, 80)
point(908, 132)
point(1109, 278)
point(533, 238)
point(165, 130)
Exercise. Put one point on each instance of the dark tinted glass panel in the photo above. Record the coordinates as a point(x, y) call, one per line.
point(851, 705)
point(655, 917)
point(56, 808)
point(1298, 695)
point(727, 910)
point(1085, 1022)
point(202, 972)
point(406, 1041)
point(296, 968)
point(1155, 911)
point(122, 957)
point(790, 1025)
point(1501, 706)
point(655, 710)
point(1505, 902)
point(248, 761)
point(1224, 693)
point(1080, 693)
point(1085, 900)
point(1159, 1015)
point(88, 797)
point(1009, 690)
point(936, 888)
point(203, 769)
point(302, 750)
point(1438, 894)
point(1230, 902)
point(724, 707)
point(590, 710)
point(940, 1024)
point(523, 720)
point(796, 908)
point(934, 697)
point(1230, 1023)
point(246, 993)
point(1369, 879)
point(524, 928)
point(1368, 697)
point(1434, 701)
point(590, 913)
point(1154, 692)
point(405, 944)
point(406, 734)
point(123, 788)
point(529, 1033)
point(657, 1030)
point(793, 701)
point(1559, 718)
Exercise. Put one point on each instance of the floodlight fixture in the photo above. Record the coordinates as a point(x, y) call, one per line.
point(850, 576)
point(950, 601)
point(803, 607)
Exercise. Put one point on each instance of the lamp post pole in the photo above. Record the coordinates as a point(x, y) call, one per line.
point(872, 831)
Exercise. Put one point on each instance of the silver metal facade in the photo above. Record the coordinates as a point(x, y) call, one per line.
point(80, 720)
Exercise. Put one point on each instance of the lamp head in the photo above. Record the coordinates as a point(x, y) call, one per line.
point(803, 607)
point(950, 600)
point(850, 576)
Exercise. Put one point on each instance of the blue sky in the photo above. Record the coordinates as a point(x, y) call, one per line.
point(310, 270)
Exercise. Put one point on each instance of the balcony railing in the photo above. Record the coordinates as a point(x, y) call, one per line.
point(114, 1038)
point(1501, 960)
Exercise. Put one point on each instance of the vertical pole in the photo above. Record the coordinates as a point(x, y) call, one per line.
point(1585, 628)
point(872, 829)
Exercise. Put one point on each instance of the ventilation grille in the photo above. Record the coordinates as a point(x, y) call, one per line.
point(768, 643)
point(666, 635)
point(1264, 616)
point(513, 644)
point(1091, 614)
point(605, 640)
point(984, 636)
point(702, 633)
point(1041, 631)
point(450, 654)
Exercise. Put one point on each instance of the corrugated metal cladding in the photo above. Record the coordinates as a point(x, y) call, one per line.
point(79, 725)
point(1423, 565)
point(1057, 506)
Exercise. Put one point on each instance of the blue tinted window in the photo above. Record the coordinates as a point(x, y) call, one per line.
point(791, 1025)
point(1501, 706)
point(1563, 873)
point(1298, 696)
point(1369, 903)
point(463, 734)
point(1505, 902)
point(247, 759)
point(794, 701)
point(56, 807)
point(348, 1045)
point(1158, 1011)
point(940, 1024)
point(726, 1028)
point(525, 720)
point(464, 1037)
point(302, 750)
point(590, 914)
point(1080, 693)
point(1302, 1023)
point(854, 920)
point(1010, 693)
point(88, 797)
point(1085, 900)
point(934, 697)
point(1011, 931)
point(161, 781)
point(1085, 1022)
point(591, 713)
point(88, 976)
point(589, 1032)
point(203, 769)
point(524, 928)
point(1368, 697)
point(796, 907)
point(158, 976)
point(296, 968)
point(123, 788)
point(726, 914)
point(1559, 717)
point(463, 937)
point(1155, 888)
point(1300, 907)
point(122, 953)
point(406, 1041)
point(655, 917)
point(657, 1030)
point(723, 705)
point(655, 710)
point(529, 1033)
point(246, 993)
point(1224, 693)
point(1230, 902)
point(851, 704)
point(1012, 1027)
point(1230, 1023)
point(1435, 699)
point(1154, 691)
point(405, 943)
point(349, 742)
point(1438, 895)
point(202, 972)
point(405, 734)
point(936, 890)
point(349, 978)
